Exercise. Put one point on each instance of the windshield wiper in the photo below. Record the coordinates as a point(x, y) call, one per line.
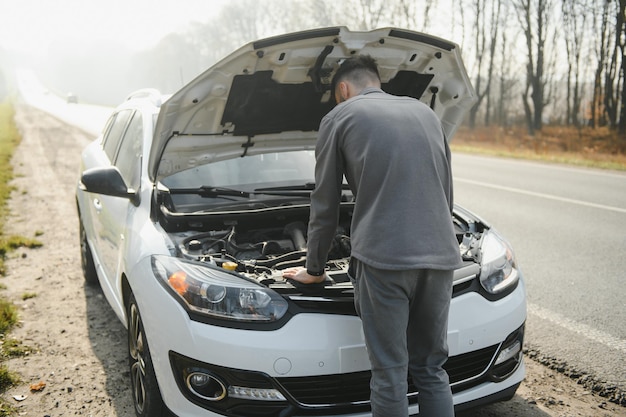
point(211, 192)
point(300, 190)
point(214, 192)
point(309, 186)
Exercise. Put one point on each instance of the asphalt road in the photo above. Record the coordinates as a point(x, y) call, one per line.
point(568, 229)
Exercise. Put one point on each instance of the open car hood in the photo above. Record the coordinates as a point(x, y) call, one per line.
point(270, 95)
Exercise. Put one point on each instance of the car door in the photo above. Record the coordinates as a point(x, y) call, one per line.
point(123, 146)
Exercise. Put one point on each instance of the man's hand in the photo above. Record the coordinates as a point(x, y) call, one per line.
point(300, 275)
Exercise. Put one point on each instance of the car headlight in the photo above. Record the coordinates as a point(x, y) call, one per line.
point(217, 293)
point(498, 270)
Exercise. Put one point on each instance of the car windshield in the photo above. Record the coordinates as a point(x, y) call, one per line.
point(249, 172)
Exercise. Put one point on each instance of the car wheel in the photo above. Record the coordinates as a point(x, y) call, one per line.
point(86, 259)
point(145, 390)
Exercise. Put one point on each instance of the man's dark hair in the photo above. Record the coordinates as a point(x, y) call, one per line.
point(358, 69)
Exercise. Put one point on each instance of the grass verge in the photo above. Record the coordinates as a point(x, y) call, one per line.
point(9, 140)
point(585, 147)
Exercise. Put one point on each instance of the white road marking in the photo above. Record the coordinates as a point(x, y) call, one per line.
point(579, 328)
point(541, 195)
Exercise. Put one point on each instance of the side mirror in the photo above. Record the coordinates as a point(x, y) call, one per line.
point(107, 181)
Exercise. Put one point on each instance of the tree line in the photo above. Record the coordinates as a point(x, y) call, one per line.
point(532, 62)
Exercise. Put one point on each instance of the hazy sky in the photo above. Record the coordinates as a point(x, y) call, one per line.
point(33, 25)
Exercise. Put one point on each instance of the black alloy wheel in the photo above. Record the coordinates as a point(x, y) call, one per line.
point(146, 394)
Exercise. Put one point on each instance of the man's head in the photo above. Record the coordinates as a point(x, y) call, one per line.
point(355, 74)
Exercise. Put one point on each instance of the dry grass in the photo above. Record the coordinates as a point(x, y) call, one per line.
point(600, 148)
point(9, 139)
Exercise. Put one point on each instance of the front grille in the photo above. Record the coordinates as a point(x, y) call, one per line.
point(469, 365)
point(354, 387)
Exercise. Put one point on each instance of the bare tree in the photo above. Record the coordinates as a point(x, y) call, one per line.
point(574, 14)
point(621, 40)
point(428, 5)
point(297, 15)
point(534, 18)
point(407, 14)
point(601, 27)
point(485, 32)
point(371, 12)
point(494, 28)
point(506, 83)
point(610, 73)
point(614, 75)
point(410, 14)
point(458, 5)
point(320, 12)
point(608, 92)
point(357, 14)
point(480, 41)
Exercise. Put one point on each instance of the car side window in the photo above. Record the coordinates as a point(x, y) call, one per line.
point(128, 159)
point(114, 135)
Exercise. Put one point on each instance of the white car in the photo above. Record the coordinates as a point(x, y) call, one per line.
point(191, 205)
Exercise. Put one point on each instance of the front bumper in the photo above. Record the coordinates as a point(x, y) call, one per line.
point(312, 352)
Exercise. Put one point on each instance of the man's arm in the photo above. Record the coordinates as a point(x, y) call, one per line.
point(325, 201)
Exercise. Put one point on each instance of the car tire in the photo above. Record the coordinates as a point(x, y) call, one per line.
point(145, 389)
point(86, 259)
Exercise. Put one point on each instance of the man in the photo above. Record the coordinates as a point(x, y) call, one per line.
point(396, 160)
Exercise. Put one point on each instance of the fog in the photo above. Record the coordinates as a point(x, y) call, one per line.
point(101, 50)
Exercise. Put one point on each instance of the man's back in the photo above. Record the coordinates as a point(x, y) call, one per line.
point(397, 163)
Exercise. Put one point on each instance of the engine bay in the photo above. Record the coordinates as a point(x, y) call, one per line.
point(260, 244)
point(262, 253)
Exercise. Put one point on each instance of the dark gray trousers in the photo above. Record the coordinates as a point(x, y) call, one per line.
point(405, 323)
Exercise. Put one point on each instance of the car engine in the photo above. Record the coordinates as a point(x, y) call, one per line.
point(262, 244)
point(260, 254)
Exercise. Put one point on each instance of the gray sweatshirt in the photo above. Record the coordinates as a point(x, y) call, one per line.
point(396, 160)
